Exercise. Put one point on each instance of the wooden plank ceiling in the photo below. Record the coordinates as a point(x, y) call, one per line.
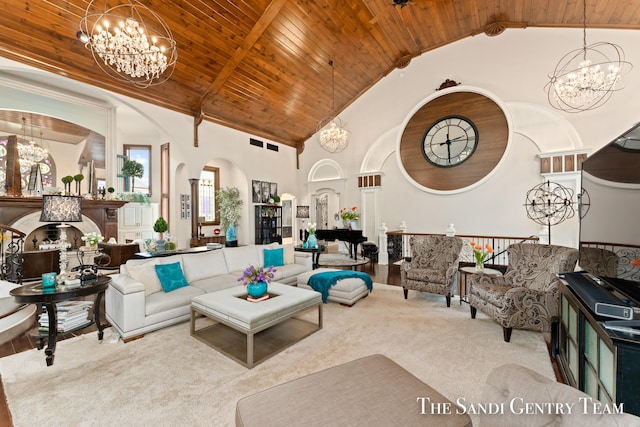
point(262, 66)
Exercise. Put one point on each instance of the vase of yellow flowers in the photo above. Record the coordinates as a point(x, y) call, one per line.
point(480, 254)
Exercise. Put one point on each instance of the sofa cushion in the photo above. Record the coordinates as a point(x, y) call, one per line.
point(202, 265)
point(145, 273)
point(273, 257)
point(288, 270)
point(241, 257)
point(216, 283)
point(163, 301)
point(171, 276)
point(260, 249)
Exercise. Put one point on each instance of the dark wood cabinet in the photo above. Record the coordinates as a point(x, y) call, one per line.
point(103, 212)
point(604, 364)
point(268, 224)
point(202, 241)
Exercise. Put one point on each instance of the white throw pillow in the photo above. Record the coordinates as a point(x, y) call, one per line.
point(203, 265)
point(146, 274)
point(289, 254)
point(241, 257)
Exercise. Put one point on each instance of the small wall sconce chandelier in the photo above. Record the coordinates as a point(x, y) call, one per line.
point(129, 42)
point(332, 134)
point(579, 83)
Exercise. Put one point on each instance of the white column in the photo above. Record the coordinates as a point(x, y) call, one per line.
point(383, 255)
point(406, 250)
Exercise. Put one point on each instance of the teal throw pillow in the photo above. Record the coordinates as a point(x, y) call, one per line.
point(171, 276)
point(274, 257)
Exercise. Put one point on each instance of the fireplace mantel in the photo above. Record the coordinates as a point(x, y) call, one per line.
point(103, 212)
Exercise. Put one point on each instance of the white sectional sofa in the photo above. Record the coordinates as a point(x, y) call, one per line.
point(136, 302)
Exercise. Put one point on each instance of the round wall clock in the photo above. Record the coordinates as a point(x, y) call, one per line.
point(453, 141)
point(450, 141)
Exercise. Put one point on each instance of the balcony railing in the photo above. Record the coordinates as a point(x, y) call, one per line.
point(11, 250)
point(398, 246)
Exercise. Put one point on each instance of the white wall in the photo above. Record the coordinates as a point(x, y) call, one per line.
point(513, 67)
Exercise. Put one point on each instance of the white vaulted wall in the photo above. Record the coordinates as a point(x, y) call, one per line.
point(512, 69)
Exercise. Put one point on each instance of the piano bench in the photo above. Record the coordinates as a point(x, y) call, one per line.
point(370, 250)
point(345, 291)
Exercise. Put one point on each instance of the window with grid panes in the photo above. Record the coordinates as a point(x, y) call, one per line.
point(208, 185)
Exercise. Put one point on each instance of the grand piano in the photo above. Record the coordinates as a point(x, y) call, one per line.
point(353, 237)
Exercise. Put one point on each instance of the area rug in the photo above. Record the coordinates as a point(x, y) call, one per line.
point(169, 378)
point(340, 260)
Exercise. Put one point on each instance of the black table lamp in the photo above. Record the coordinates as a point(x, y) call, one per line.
point(56, 208)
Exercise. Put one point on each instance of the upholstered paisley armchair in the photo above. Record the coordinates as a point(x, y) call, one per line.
point(526, 297)
point(433, 265)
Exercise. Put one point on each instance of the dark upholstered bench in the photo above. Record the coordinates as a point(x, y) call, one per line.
point(371, 391)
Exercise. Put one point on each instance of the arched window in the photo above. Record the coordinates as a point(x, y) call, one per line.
point(208, 185)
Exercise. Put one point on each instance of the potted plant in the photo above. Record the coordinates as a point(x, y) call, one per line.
point(111, 190)
point(132, 170)
point(230, 207)
point(78, 178)
point(160, 226)
point(67, 180)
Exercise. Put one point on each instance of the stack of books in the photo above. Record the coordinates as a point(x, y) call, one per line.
point(71, 315)
point(253, 299)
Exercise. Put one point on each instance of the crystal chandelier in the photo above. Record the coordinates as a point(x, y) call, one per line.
point(30, 153)
point(579, 83)
point(332, 134)
point(129, 42)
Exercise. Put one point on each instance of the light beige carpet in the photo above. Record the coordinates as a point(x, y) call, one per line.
point(168, 378)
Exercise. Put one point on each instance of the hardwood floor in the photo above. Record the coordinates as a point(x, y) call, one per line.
point(389, 274)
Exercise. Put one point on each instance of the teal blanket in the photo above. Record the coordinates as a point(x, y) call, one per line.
point(321, 282)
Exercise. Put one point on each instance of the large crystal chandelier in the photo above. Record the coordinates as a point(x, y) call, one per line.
point(585, 78)
point(30, 153)
point(130, 42)
point(332, 134)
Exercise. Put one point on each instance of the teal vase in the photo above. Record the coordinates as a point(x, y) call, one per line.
point(257, 289)
point(231, 233)
point(312, 241)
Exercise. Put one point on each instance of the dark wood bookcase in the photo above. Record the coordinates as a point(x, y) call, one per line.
point(268, 223)
point(602, 363)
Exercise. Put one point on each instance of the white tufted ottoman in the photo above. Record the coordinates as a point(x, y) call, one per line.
point(345, 291)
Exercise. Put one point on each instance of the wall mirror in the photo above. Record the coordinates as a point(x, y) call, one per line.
point(70, 147)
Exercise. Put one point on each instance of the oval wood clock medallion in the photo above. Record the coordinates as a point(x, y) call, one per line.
point(454, 141)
